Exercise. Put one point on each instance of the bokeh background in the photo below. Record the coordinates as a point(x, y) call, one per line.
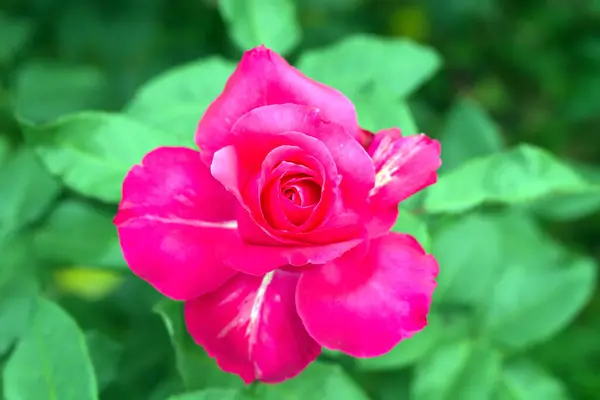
point(517, 313)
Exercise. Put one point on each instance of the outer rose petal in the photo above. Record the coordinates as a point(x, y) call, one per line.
point(262, 78)
point(172, 217)
point(365, 306)
point(250, 325)
point(403, 165)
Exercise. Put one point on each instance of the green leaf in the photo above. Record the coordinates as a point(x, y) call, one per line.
point(252, 23)
point(105, 354)
point(14, 34)
point(212, 394)
point(318, 381)
point(378, 109)
point(468, 252)
point(27, 190)
point(413, 225)
point(47, 90)
point(76, 233)
point(469, 133)
point(175, 100)
point(523, 380)
point(51, 361)
point(520, 175)
point(399, 65)
point(408, 351)
point(531, 302)
point(92, 151)
point(465, 367)
point(5, 149)
point(197, 370)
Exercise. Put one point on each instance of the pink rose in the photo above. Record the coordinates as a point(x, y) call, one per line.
point(276, 234)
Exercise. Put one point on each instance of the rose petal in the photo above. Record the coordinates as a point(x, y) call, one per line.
point(403, 165)
point(251, 327)
point(171, 220)
point(365, 306)
point(262, 78)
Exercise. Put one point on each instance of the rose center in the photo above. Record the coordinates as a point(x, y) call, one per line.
point(301, 191)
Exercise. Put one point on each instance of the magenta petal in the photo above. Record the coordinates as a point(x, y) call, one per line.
point(251, 327)
point(403, 165)
point(365, 306)
point(172, 216)
point(263, 78)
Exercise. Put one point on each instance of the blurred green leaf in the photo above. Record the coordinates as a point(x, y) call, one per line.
point(413, 225)
point(399, 65)
point(379, 109)
point(92, 151)
point(27, 189)
point(408, 351)
point(212, 394)
point(469, 368)
point(46, 90)
point(584, 100)
point(5, 149)
point(197, 370)
point(175, 100)
point(532, 302)
point(51, 361)
point(523, 380)
point(14, 34)
point(469, 133)
point(252, 23)
point(76, 233)
point(469, 252)
point(520, 175)
point(318, 381)
point(105, 354)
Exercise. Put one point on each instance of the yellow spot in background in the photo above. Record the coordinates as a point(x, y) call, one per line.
point(89, 283)
point(410, 22)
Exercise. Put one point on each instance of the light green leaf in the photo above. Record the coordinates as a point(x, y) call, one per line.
point(212, 394)
point(27, 189)
point(469, 133)
point(471, 369)
point(252, 23)
point(51, 361)
point(175, 100)
point(408, 351)
point(399, 65)
point(520, 175)
point(468, 252)
point(378, 109)
point(523, 380)
point(532, 302)
point(46, 90)
point(92, 151)
point(76, 233)
point(197, 370)
point(14, 34)
point(319, 381)
point(413, 225)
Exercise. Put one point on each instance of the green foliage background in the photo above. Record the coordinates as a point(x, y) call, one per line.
point(512, 90)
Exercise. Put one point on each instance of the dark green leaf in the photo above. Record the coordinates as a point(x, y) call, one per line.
point(51, 361)
point(92, 151)
point(253, 23)
point(76, 233)
point(523, 380)
point(197, 370)
point(399, 65)
point(14, 34)
point(520, 175)
point(469, 133)
point(27, 189)
point(212, 394)
point(175, 100)
point(319, 381)
point(471, 369)
point(105, 354)
point(46, 90)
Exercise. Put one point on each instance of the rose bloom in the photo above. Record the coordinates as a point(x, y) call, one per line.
point(276, 233)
